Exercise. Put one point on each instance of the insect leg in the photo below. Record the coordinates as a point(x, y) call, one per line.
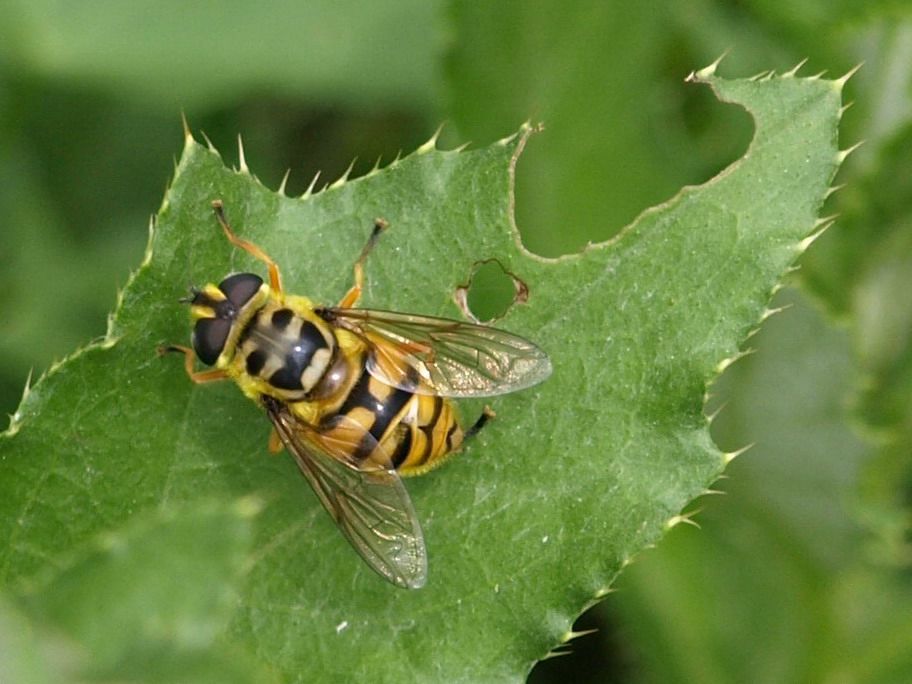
point(275, 278)
point(198, 377)
point(485, 416)
point(354, 294)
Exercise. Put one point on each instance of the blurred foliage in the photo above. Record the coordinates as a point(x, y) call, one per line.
point(781, 562)
point(90, 97)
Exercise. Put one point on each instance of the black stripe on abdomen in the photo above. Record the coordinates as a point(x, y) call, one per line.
point(405, 446)
point(384, 410)
point(449, 436)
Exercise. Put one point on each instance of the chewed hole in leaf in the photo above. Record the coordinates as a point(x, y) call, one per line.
point(490, 292)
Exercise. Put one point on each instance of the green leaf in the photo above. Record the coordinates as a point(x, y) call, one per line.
point(545, 507)
point(147, 601)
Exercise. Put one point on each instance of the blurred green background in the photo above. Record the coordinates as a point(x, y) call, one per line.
point(802, 571)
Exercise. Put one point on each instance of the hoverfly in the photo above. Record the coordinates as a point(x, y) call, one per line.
point(357, 396)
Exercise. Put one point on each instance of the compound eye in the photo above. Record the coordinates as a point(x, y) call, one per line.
point(240, 287)
point(209, 338)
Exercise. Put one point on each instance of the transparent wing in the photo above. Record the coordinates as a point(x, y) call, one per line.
point(428, 355)
point(368, 502)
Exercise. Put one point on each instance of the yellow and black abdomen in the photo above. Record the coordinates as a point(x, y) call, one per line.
point(415, 431)
point(431, 433)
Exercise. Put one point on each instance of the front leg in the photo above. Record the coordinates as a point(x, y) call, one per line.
point(353, 296)
point(199, 377)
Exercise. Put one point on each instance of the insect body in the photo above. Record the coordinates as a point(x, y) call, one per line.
point(357, 396)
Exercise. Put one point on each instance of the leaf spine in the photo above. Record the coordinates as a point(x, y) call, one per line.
point(431, 144)
point(555, 654)
point(707, 72)
point(820, 226)
point(188, 136)
point(726, 362)
point(313, 183)
point(683, 518)
point(730, 456)
point(842, 154)
point(715, 414)
point(281, 188)
point(570, 635)
point(772, 311)
point(209, 143)
point(376, 167)
point(242, 159)
point(833, 188)
point(339, 182)
point(791, 73)
point(838, 83)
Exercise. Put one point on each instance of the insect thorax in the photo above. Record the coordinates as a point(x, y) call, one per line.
point(288, 351)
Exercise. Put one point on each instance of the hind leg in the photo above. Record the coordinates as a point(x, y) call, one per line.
point(483, 419)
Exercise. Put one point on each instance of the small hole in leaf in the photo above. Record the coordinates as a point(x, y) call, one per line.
point(491, 292)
